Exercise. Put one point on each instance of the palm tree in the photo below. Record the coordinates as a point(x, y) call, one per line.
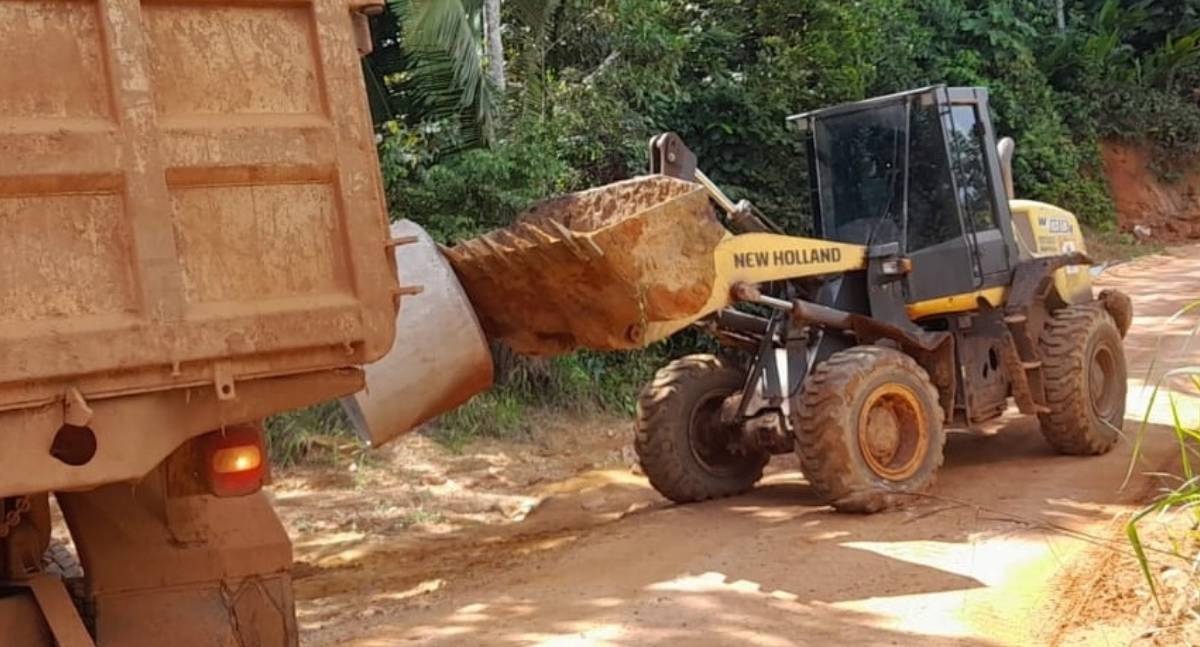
point(429, 60)
point(495, 44)
point(442, 74)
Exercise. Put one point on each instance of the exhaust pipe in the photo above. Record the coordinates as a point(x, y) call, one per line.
point(1006, 148)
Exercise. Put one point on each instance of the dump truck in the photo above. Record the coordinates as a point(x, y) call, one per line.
point(928, 299)
point(195, 238)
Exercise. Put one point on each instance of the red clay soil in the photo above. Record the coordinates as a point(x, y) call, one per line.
point(1170, 209)
point(594, 269)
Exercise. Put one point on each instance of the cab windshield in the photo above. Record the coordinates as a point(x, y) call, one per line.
point(884, 175)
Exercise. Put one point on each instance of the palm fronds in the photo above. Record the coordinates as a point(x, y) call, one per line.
point(428, 66)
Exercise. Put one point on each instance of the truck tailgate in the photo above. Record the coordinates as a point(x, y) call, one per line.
point(189, 195)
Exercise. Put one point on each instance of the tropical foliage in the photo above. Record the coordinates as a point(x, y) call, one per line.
point(589, 81)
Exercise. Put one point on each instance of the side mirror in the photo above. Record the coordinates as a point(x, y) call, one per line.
point(1006, 148)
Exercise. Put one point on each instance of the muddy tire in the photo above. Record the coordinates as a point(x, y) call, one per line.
point(1084, 366)
point(59, 560)
point(683, 447)
point(869, 429)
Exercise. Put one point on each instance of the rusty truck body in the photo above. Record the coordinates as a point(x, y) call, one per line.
point(194, 237)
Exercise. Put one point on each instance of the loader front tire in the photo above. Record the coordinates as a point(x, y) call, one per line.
point(1084, 367)
point(869, 429)
point(687, 449)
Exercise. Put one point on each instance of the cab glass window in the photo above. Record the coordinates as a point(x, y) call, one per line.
point(932, 210)
point(970, 167)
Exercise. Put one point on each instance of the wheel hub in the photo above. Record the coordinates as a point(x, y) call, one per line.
point(893, 434)
point(714, 438)
point(883, 434)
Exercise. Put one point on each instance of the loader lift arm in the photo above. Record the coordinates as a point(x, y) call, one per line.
point(671, 157)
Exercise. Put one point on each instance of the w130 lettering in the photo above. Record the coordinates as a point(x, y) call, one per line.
point(787, 257)
point(1056, 225)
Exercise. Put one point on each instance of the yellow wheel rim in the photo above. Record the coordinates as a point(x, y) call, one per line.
point(893, 433)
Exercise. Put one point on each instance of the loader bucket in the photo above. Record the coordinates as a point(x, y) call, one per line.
point(440, 358)
point(612, 268)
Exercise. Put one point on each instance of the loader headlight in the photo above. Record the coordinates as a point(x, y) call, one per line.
point(896, 266)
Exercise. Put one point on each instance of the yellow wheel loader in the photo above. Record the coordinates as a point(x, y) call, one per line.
point(927, 299)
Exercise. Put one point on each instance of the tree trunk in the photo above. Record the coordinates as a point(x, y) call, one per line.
point(495, 46)
point(1061, 14)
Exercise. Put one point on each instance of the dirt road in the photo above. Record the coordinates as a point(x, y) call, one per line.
point(1005, 551)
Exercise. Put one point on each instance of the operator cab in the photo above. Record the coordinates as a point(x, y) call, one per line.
point(920, 170)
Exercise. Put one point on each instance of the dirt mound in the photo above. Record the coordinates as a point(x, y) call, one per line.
point(592, 209)
point(1170, 210)
point(599, 269)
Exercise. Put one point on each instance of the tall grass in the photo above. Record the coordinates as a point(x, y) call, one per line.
point(499, 413)
point(1183, 496)
point(584, 382)
point(316, 434)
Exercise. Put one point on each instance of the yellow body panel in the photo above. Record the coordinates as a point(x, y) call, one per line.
point(762, 258)
point(956, 303)
point(1041, 230)
point(1045, 230)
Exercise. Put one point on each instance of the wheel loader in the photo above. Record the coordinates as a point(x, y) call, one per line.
point(927, 299)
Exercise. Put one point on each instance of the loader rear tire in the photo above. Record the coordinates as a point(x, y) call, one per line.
point(869, 429)
point(1084, 365)
point(685, 449)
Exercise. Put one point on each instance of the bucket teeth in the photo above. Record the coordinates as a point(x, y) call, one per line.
point(583, 270)
point(499, 252)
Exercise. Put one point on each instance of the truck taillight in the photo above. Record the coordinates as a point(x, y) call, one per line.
point(234, 461)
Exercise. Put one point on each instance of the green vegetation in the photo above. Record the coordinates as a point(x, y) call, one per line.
point(581, 383)
point(590, 81)
point(320, 435)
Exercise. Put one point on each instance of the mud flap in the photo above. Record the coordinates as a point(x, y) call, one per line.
point(440, 358)
point(180, 570)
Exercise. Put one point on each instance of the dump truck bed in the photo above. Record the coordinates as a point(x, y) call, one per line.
point(190, 202)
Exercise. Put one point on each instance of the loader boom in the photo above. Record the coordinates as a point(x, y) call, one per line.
point(758, 258)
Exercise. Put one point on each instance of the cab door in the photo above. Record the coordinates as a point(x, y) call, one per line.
point(957, 210)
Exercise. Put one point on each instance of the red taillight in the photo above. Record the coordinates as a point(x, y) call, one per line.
point(234, 461)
